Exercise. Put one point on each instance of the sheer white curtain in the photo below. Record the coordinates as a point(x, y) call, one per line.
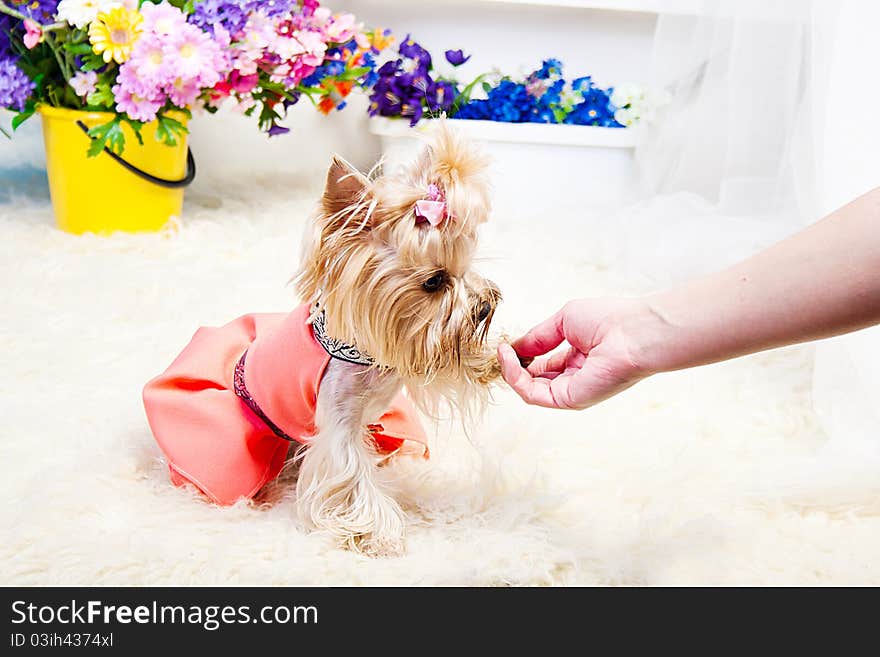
point(730, 165)
point(772, 125)
point(846, 387)
point(746, 79)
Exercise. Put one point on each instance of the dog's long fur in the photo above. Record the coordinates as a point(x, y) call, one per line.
point(365, 263)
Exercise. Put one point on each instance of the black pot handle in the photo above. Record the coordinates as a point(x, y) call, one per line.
point(170, 184)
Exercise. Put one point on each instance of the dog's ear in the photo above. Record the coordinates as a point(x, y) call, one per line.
point(346, 187)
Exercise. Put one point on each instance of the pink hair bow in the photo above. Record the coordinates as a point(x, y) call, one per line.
point(433, 208)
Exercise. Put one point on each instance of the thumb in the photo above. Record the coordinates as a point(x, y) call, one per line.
point(542, 338)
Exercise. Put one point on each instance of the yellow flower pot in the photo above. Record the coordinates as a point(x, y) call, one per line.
point(139, 191)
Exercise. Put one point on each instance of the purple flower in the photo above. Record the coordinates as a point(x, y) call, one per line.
point(456, 57)
point(42, 11)
point(405, 88)
point(5, 27)
point(412, 50)
point(231, 14)
point(15, 86)
point(440, 96)
point(278, 7)
point(276, 130)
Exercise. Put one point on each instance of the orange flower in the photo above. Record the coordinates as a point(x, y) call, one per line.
point(380, 40)
point(326, 105)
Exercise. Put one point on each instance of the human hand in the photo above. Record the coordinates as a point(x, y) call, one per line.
point(600, 360)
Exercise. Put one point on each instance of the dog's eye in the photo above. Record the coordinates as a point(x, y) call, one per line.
point(435, 282)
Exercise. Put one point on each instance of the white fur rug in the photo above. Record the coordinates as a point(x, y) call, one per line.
point(719, 475)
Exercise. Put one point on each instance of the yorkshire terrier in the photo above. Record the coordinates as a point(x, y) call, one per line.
point(391, 303)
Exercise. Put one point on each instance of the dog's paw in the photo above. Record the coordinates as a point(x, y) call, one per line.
point(375, 545)
point(387, 527)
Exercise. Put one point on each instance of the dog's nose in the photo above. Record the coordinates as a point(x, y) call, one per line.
point(485, 309)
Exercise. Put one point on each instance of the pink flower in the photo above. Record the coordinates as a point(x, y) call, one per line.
point(321, 15)
point(129, 78)
point(149, 63)
point(315, 47)
point(83, 83)
point(137, 107)
point(258, 34)
point(162, 19)
point(243, 84)
point(363, 41)
point(189, 52)
point(287, 47)
point(33, 34)
point(245, 64)
point(341, 29)
point(183, 93)
point(242, 105)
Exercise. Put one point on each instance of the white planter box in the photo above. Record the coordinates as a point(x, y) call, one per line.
point(535, 165)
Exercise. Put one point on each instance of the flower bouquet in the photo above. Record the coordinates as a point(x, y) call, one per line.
point(129, 72)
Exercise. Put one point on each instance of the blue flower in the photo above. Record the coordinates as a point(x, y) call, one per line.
point(332, 68)
point(456, 57)
point(549, 68)
point(582, 84)
point(544, 110)
point(509, 102)
point(475, 110)
point(595, 109)
point(370, 62)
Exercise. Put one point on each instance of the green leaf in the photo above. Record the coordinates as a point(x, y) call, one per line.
point(102, 96)
point(353, 73)
point(95, 148)
point(168, 130)
point(70, 97)
point(92, 62)
point(107, 135)
point(310, 90)
point(24, 115)
point(78, 48)
point(136, 127)
point(487, 87)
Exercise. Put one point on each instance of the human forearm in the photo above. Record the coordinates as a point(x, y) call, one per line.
point(820, 282)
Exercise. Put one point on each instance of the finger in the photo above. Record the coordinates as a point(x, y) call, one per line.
point(543, 338)
point(531, 390)
point(552, 364)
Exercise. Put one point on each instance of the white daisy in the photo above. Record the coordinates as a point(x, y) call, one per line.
point(80, 13)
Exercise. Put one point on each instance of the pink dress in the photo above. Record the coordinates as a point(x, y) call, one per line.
point(226, 409)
